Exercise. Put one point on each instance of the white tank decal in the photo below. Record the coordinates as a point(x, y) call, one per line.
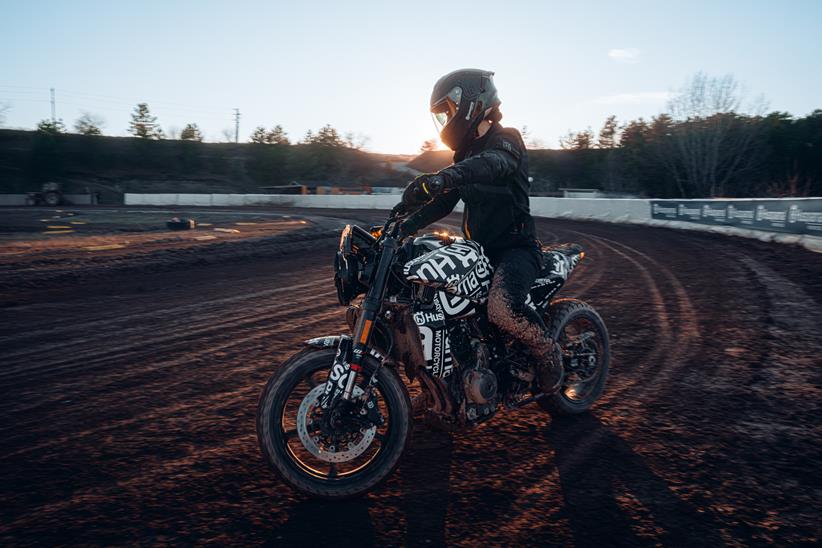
point(460, 268)
point(452, 304)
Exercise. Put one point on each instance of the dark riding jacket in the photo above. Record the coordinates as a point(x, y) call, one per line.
point(491, 177)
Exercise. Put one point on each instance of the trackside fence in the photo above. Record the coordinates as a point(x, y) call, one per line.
point(789, 220)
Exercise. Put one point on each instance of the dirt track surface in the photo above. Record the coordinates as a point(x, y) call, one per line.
point(128, 402)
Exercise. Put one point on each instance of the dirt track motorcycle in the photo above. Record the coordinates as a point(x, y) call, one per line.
point(335, 418)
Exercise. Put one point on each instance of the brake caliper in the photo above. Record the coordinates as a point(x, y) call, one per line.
point(370, 409)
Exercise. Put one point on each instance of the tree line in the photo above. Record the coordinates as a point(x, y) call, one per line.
point(708, 143)
point(150, 163)
point(144, 125)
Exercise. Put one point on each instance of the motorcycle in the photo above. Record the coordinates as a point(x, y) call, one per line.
point(335, 418)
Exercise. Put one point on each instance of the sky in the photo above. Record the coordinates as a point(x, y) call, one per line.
point(368, 67)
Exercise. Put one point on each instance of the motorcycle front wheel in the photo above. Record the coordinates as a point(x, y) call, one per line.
point(346, 461)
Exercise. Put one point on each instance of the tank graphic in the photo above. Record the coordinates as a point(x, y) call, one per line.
point(460, 268)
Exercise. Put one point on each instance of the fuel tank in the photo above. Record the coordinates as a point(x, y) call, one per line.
point(451, 264)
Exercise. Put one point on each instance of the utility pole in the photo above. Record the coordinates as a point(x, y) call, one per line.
point(53, 107)
point(236, 125)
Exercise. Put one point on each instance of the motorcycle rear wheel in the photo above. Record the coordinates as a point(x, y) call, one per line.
point(581, 334)
point(298, 463)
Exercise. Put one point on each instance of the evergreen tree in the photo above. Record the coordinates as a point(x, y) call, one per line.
point(328, 136)
point(143, 125)
point(88, 124)
point(259, 136)
point(191, 133)
point(608, 134)
point(581, 140)
point(50, 127)
point(277, 136)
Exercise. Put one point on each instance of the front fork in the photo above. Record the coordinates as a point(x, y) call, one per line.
point(365, 324)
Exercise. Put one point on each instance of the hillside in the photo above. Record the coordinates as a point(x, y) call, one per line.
point(113, 165)
point(432, 160)
point(124, 164)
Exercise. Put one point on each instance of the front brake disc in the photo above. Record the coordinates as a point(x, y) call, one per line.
point(342, 452)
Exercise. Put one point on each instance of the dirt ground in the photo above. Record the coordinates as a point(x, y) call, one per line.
point(129, 379)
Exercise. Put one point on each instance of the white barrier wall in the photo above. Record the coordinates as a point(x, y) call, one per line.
point(345, 201)
point(604, 209)
point(12, 199)
point(598, 209)
point(581, 208)
point(21, 199)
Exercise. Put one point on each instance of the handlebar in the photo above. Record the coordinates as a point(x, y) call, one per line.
point(398, 213)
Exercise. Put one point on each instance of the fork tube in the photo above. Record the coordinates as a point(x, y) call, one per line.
point(370, 308)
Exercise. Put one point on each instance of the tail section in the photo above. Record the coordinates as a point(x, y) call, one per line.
point(558, 261)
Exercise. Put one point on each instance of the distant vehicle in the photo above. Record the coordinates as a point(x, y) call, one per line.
point(181, 223)
point(50, 195)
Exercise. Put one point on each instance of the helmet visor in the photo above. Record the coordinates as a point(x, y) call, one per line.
point(446, 108)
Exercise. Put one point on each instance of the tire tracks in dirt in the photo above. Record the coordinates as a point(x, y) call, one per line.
point(47, 329)
point(712, 446)
point(145, 366)
point(675, 327)
point(177, 325)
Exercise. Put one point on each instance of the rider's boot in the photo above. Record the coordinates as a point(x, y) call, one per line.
point(549, 369)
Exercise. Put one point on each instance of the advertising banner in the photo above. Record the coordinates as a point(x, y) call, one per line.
point(796, 216)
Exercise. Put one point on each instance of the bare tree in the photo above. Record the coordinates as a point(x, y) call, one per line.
point(357, 141)
point(228, 135)
point(709, 141)
point(529, 140)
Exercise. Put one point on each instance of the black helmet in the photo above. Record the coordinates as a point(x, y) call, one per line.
point(459, 103)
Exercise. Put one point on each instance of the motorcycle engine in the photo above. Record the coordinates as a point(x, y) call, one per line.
point(478, 391)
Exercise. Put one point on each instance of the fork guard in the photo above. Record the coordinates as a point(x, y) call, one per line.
point(333, 341)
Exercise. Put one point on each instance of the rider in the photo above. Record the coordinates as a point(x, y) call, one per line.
point(489, 174)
